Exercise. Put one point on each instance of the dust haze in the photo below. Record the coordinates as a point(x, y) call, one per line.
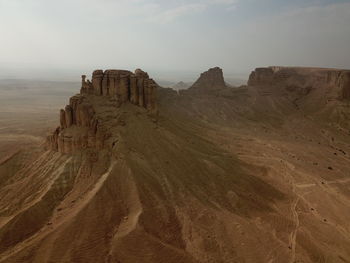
point(172, 131)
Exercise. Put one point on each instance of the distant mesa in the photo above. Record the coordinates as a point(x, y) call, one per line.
point(301, 77)
point(209, 80)
point(80, 126)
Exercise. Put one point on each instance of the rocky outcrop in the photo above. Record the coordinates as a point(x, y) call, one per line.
point(78, 127)
point(79, 123)
point(337, 82)
point(344, 83)
point(261, 76)
point(210, 80)
point(123, 85)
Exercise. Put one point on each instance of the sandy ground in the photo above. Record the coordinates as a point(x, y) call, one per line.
point(28, 111)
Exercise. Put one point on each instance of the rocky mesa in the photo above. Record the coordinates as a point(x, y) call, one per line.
point(210, 80)
point(335, 81)
point(80, 123)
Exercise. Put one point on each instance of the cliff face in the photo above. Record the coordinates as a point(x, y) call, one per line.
point(338, 81)
point(123, 85)
point(81, 120)
point(78, 127)
point(211, 79)
point(344, 83)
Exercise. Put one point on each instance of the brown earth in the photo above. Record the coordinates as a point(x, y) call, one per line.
point(258, 173)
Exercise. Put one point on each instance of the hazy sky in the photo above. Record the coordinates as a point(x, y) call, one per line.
point(170, 36)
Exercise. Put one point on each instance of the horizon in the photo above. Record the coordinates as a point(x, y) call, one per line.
point(63, 75)
point(176, 39)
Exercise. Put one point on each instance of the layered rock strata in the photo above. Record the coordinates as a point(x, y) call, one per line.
point(295, 77)
point(80, 127)
point(124, 85)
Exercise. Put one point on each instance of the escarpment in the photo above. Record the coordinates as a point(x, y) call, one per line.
point(81, 121)
point(335, 82)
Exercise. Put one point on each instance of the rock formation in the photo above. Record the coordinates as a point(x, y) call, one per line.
point(261, 76)
point(79, 124)
point(78, 127)
point(337, 81)
point(124, 85)
point(344, 83)
point(210, 80)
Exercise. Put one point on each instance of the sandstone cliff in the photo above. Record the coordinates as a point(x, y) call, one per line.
point(337, 82)
point(209, 80)
point(124, 85)
point(80, 121)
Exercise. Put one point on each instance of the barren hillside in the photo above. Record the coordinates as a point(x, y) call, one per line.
point(138, 173)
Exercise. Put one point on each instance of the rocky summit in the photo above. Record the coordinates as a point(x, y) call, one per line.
point(210, 80)
point(123, 85)
point(80, 123)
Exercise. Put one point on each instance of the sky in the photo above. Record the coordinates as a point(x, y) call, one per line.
point(170, 38)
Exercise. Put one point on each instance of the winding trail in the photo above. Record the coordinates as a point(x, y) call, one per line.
point(294, 233)
point(339, 181)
